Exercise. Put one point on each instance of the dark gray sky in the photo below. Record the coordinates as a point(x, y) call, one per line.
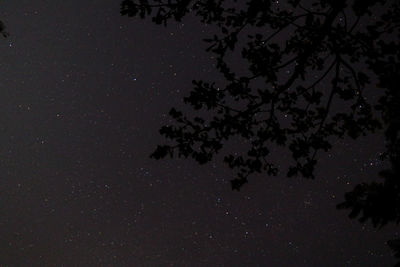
point(83, 92)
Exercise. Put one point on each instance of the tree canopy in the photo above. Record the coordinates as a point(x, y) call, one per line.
point(309, 65)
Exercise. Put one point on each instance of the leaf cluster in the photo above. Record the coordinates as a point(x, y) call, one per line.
point(286, 100)
point(309, 64)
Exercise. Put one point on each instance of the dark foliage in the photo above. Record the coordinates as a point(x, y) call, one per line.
point(3, 29)
point(301, 93)
point(286, 98)
point(380, 201)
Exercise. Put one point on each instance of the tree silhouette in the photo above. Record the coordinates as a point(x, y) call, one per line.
point(268, 106)
point(308, 65)
point(3, 29)
point(380, 201)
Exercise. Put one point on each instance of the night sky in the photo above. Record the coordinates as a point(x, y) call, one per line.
point(83, 92)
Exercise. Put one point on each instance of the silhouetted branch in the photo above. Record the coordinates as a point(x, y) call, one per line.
point(270, 106)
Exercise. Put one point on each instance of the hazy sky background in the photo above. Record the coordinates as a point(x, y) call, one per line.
point(83, 92)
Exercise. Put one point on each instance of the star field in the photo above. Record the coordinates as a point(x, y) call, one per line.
point(83, 94)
